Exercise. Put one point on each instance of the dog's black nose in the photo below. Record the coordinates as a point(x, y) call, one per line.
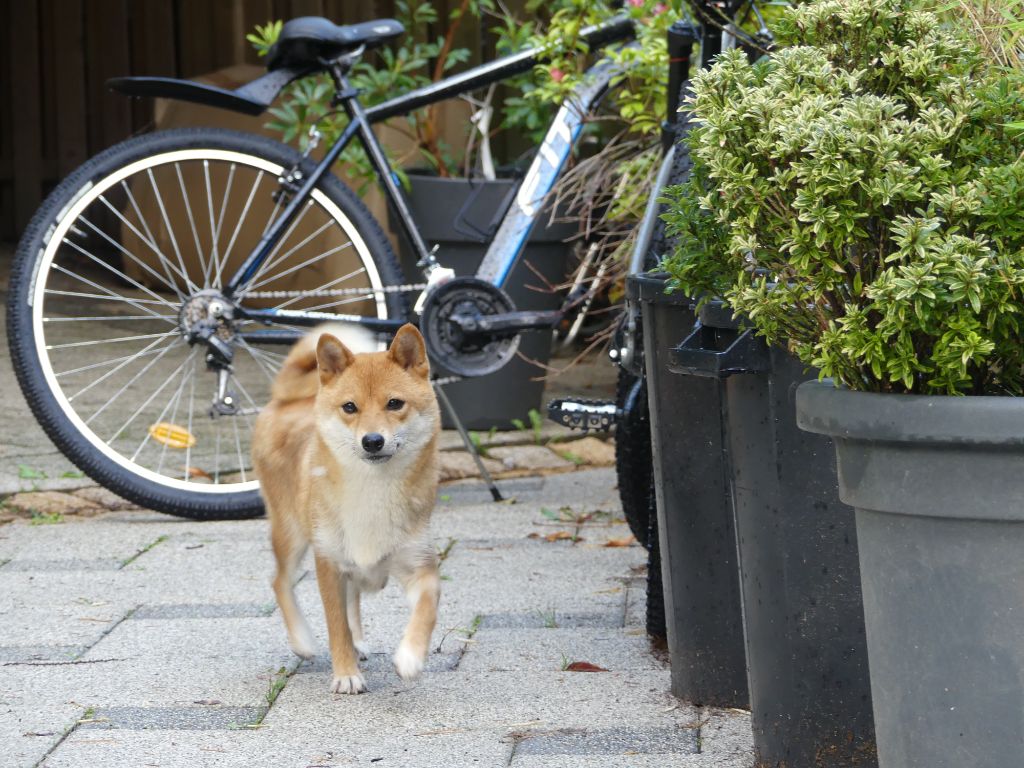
point(373, 442)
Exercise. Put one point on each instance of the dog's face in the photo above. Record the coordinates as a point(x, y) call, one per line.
point(378, 406)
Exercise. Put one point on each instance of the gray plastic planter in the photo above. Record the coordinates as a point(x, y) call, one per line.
point(810, 692)
point(938, 487)
point(696, 535)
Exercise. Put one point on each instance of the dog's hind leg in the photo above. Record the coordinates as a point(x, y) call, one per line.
point(423, 590)
point(355, 617)
point(289, 547)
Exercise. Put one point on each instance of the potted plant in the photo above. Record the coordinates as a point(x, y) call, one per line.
point(867, 185)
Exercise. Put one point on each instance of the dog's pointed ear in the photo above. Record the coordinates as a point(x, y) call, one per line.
point(409, 351)
point(332, 357)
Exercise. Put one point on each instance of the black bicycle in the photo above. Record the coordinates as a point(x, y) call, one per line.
point(154, 291)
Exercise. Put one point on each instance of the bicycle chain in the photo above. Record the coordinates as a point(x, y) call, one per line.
point(328, 292)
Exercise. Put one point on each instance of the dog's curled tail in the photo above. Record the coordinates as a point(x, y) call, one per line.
point(297, 379)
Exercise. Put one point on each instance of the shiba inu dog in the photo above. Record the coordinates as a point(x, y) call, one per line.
point(346, 454)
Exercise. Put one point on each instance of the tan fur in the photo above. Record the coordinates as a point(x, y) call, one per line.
point(365, 517)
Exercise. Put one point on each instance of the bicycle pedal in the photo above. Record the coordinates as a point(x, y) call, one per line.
point(586, 415)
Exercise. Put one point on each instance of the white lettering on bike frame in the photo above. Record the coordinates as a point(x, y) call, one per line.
point(515, 228)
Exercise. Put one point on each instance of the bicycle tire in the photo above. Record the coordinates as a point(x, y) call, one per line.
point(633, 460)
point(32, 354)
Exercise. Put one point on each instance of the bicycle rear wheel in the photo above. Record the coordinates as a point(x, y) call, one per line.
point(110, 271)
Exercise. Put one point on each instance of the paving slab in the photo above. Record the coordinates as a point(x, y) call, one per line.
point(527, 650)
point(173, 654)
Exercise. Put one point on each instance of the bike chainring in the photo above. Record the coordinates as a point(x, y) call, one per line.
point(466, 354)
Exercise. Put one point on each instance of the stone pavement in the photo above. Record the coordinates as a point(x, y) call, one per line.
point(133, 638)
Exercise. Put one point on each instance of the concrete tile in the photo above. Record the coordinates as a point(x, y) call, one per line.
point(534, 650)
point(195, 718)
point(499, 700)
point(608, 741)
point(29, 731)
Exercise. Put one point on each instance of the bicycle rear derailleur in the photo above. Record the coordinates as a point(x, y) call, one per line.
point(207, 318)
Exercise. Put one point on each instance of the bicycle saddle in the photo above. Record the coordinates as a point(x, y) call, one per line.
point(308, 40)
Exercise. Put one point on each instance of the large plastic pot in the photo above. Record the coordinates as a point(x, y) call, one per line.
point(938, 485)
point(696, 538)
point(810, 695)
point(459, 215)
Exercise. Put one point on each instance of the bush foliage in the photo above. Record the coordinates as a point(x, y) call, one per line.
point(859, 196)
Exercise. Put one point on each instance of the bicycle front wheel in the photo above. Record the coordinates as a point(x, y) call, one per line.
point(113, 267)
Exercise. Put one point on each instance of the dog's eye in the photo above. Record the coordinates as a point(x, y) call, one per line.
point(349, 407)
point(394, 404)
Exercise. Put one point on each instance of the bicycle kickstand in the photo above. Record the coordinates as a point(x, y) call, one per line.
point(447, 404)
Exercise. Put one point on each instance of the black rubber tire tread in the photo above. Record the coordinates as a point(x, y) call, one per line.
point(656, 627)
point(193, 505)
point(633, 456)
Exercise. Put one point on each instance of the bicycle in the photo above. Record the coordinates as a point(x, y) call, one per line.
point(143, 270)
point(166, 303)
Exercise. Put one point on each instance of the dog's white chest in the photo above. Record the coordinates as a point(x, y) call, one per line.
point(362, 524)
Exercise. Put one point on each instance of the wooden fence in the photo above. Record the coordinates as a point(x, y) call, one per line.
point(59, 53)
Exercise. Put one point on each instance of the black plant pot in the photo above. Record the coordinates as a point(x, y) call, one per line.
point(938, 486)
point(810, 694)
point(696, 539)
point(459, 216)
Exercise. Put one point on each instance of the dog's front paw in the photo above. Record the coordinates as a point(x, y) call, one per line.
point(348, 684)
point(408, 663)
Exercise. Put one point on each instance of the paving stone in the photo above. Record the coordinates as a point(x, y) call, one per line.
point(103, 498)
point(551, 620)
point(23, 654)
point(309, 745)
point(70, 564)
point(495, 650)
point(76, 541)
point(33, 503)
point(529, 457)
point(28, 732)
point(589, 450)
point(608, 741)
point(201, 718)
point(204, 611)
point(456, 465)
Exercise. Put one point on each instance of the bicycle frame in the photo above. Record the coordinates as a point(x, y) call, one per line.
point(513, 232)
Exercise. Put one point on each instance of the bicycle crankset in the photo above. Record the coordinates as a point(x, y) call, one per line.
point(454, 327)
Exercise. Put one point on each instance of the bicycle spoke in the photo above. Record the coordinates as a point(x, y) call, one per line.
point(340, 302)
point(137, 303)
point(111, 296)
point(238, 227)
point(125, 361)
point(325, 286)
point(112, 361)
point(238, 447)
point(301, 265)
point(149, 399)
point(170, 230)
point(116, 340)
point(147, 239)
point(268, 367)
point(132, 256)
point(192, 224)
point(188, 445)
point(223, 207)
point(209, 207)
point(118, 272)
point(159, 419)
point(131, 381)
point(281, 242)
point(270, 265)
point(106, 318)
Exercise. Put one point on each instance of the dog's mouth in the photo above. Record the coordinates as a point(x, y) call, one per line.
point(377, 458)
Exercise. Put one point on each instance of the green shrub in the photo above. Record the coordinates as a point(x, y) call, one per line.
point(860, 198)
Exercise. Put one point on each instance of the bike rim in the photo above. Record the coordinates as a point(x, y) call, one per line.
point(152, 316)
